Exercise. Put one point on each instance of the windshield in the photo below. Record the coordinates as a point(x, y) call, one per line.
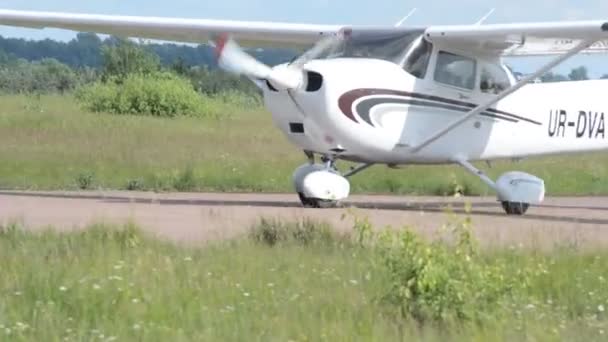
point(388, 45)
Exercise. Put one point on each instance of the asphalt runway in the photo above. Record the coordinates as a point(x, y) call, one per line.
point(200, 217)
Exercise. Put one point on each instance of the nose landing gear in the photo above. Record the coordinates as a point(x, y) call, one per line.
point(321, 185)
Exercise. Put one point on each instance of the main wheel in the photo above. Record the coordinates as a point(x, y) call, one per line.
point(515, 208)
point(316, 203)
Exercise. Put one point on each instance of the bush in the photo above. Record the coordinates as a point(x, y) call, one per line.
point(441, 281)
point(46, 76)
point(303, 233)
point(162, 94)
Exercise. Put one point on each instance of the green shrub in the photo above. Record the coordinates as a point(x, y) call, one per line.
point(303, 233)
point(185, 180)
point(85, 180)
point(445, 282)
point(162, 94)
point(135, 185)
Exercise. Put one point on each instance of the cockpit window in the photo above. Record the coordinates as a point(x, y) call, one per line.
point(388, 45)
point(417, 57)
point(494, 79)
point(455, 70)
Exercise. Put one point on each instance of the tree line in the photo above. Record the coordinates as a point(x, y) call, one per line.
point(46, 66)
point(28, 66)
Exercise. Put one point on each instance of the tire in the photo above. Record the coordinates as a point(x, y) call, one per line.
point(515, 208)
point(315, 203)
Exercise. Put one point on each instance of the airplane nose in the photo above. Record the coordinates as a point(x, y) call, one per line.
point(308, 81)
point(284, 77)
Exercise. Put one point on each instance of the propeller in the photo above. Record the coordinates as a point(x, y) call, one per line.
point(232, 58)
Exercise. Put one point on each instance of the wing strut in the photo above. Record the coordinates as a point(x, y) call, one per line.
point(481, 108)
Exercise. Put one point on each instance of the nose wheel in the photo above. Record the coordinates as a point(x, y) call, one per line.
point(515, 208)
point(316, 203)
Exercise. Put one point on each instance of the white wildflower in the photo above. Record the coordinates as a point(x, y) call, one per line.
point(354, 282)
point(135, 300)
point(63, 288)
point(136, 327)
point(270, 285)
point(246, 294)
point(21, 326)
point(96, 287)
point(18, 293)
point(187, 259)
point(601, 308)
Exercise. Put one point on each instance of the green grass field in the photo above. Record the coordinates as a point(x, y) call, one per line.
point(292, 283)
point(50, 143)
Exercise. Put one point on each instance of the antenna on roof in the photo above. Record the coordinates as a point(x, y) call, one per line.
point(485, 17)
point(402, 21)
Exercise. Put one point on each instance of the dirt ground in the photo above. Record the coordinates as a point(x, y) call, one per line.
point(205, 216)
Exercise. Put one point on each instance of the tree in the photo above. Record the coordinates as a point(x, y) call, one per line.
point(126, 58)
point(579, 74)
point(553, 77)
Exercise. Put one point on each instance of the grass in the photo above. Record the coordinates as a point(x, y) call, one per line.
point(49, 143)
point(285, 282)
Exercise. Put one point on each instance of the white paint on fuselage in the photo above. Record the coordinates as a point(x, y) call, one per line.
point(400, 126)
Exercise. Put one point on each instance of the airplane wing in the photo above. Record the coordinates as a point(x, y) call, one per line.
point(532, 39)
point(174, 29)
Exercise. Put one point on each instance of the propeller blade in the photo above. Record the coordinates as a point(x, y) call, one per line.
point(232, 58)
point(322, 47)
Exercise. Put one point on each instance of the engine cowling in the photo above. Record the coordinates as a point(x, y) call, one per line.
point(520, 187)
point(316, 182)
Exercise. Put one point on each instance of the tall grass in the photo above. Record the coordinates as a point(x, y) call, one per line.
point(295, 281)
point(48, 142)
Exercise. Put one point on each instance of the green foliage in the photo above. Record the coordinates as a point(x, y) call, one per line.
point(118, 283)
point(135, 185)
point(185, 180)
point(160, 94)
point(440, 282)
point(125, 59)
point(214, 82)
point(302, 233)
point(46, 76)
point(579, 74)
point(85, 180)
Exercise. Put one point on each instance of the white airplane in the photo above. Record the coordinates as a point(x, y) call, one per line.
point(399, 96)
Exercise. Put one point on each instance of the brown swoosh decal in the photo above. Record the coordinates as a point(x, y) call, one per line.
point(347, 100)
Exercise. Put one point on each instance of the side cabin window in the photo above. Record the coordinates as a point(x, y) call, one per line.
point(418, 57)
point(456, 70)
point(494, 79)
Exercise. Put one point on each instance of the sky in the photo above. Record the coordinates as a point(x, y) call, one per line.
point(353, 12)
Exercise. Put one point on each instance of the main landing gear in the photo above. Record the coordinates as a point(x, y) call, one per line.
point(322, 185)
point(516, 190)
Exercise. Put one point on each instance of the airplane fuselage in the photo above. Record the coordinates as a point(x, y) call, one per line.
point(373, 111)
